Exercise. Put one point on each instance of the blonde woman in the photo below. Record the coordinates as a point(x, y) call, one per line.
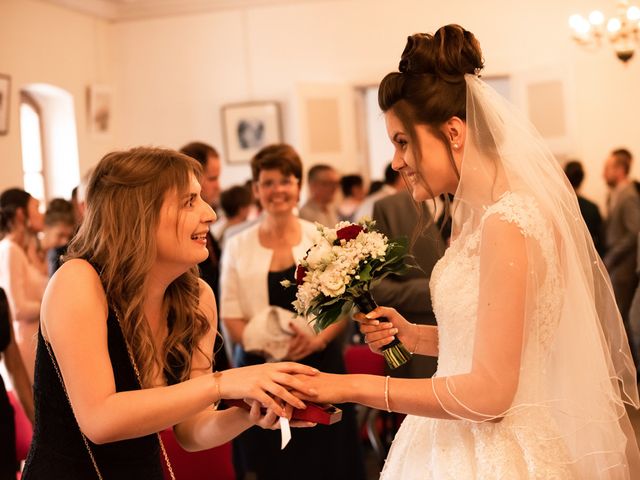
point(127, 333)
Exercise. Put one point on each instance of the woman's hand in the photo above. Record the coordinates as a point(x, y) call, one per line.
point(270, 420)
point(378, 333)
point(264, 382)
point(302, 345)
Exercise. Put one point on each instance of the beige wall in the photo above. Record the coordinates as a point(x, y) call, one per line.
point(40, 43)
point(171, 75)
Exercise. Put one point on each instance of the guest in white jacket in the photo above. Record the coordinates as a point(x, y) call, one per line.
point(254, 263)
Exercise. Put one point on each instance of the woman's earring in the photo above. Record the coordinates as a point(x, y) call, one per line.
point(456, 146)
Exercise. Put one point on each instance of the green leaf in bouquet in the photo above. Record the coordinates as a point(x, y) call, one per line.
point(329, 316)
point(365, 273)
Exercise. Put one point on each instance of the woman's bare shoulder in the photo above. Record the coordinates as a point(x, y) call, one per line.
point(74, 292)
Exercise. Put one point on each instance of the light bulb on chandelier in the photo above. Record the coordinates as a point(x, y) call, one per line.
point(622, 29)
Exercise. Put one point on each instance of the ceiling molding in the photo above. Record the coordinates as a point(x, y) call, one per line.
point(122, 10)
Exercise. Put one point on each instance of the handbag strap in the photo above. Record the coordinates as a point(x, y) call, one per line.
point(137, 372)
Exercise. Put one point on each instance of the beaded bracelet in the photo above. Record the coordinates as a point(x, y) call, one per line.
point(415, 348)
point(386, 393)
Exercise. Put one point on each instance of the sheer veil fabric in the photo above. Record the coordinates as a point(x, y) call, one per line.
point(576, 369)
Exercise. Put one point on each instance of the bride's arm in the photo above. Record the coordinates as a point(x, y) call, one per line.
point(487, 391)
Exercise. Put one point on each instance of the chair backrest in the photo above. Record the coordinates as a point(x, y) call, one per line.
point(24, 429)
point(215, 463)
point(360, 359)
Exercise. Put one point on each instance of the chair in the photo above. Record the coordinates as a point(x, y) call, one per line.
point(359, 359)
point(24, 429)
point(213, 464)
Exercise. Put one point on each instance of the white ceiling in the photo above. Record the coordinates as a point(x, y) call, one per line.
point(119, 10)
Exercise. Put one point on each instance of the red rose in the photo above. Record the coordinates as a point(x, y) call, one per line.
point(301, 272)
point(349, 232)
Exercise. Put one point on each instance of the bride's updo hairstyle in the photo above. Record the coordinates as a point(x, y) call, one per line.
point(429, 87)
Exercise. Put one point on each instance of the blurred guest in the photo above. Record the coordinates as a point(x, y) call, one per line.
point(323, 185)
point(257, 313)
point(588, 209)
point(23, 283)
point(78, 200)
point(622, 229)
point(10, 354)
point(236, 203)
point(392, 183)
point(353, 194)
point(375, 186)
point(208, 158)
point(59, 226)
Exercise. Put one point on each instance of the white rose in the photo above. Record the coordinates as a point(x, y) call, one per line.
point(332, 282)
point(320, 254)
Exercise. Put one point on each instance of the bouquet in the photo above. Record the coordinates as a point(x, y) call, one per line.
point(338, 271)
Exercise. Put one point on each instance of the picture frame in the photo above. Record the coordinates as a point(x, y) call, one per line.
point(5, 94)
point(99, 109)
point(247, 127)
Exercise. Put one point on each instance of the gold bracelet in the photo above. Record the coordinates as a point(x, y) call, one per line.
point(216, 379)
point(386, 393)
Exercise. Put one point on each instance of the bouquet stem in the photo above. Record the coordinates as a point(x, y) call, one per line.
point(395, 353)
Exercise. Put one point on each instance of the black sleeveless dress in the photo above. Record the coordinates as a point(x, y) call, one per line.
point(320, 453)
point(57, 449)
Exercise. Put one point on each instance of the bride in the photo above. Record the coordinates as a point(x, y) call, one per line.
point(534, 368)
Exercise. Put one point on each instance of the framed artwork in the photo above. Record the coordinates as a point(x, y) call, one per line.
point(5, 90)
point(247, 127)
point(99, 109)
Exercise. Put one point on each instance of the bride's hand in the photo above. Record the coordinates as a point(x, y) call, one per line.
point(330, 388)
point(378, 333)
point(266, 383)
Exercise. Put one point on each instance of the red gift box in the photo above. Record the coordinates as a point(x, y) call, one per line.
point(326, 414)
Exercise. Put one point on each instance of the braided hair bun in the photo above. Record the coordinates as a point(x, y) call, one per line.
point(450, 53)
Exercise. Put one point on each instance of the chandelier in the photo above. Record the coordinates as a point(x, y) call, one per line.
point(622, 29)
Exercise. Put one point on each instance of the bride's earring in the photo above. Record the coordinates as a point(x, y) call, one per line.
point(456, 146)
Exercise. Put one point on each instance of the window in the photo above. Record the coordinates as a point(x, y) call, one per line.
point(30, 136)
point(49, 142)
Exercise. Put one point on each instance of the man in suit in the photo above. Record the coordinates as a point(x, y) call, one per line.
point(589, 210)
point(323, 181)
point(208, 157)
point(622, 229)
point(396, 216)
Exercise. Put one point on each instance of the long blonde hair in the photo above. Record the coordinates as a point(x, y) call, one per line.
point(118, 236)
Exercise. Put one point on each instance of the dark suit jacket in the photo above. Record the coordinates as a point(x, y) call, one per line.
point(210, 273)
point(396, 216)
point(593, 219)
point(622, 229)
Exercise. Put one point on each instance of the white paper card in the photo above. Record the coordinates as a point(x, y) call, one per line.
point(285, 432)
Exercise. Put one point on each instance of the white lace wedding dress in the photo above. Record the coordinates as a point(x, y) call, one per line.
point(525, 444)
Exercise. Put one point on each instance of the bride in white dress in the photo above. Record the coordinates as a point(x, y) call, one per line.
point(534, 367)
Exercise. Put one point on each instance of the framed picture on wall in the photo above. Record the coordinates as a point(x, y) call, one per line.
point(247, 127)
point(99, 109)
point(5, 90)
